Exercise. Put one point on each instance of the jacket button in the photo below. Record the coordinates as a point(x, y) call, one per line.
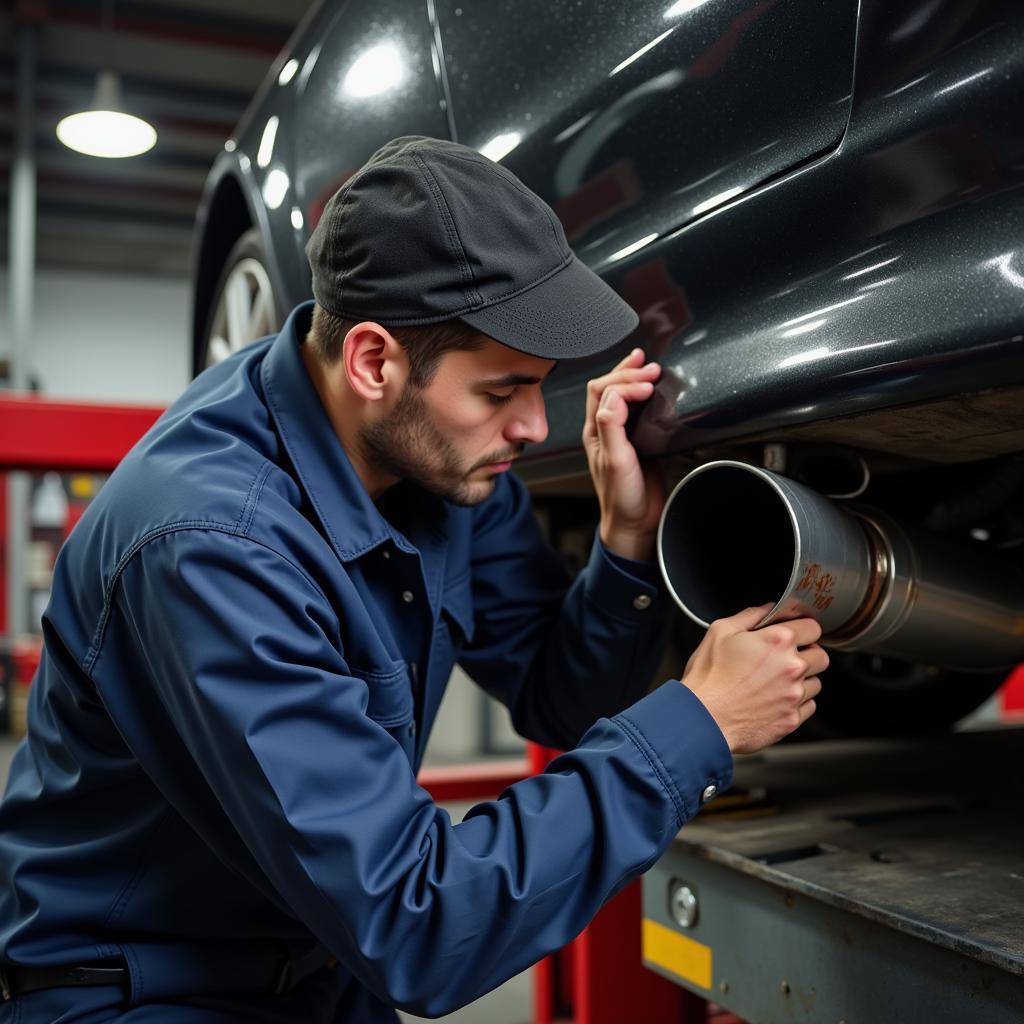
point(708, 794)
point(642, 602)
point(407, 596)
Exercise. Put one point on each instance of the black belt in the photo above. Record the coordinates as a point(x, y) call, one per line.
point(19, 981)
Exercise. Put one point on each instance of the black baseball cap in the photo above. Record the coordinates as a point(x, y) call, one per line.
point(429, 230)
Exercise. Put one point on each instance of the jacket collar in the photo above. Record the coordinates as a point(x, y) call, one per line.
point(352, 521)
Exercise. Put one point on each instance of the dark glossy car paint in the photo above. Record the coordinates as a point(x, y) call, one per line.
point(803, 236)
point(815, 206)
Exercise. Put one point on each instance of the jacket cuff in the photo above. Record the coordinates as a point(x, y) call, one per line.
point(625, 588)
point(683, 745)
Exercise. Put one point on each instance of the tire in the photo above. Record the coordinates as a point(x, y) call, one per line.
point(868, 695)
point(244, 307)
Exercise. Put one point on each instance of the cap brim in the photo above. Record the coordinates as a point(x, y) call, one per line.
point(569, 315)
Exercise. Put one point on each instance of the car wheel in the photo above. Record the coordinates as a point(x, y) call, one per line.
point(869, 695)
point(244, 307)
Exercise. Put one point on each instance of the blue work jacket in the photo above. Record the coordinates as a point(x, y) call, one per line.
point(243, 658)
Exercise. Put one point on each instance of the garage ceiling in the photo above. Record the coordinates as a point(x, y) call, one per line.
point(189, 67)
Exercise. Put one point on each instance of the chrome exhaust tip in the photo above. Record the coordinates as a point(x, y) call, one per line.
point(734, 535)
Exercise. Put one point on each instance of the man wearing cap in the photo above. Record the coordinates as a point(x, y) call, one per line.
point(215, 817)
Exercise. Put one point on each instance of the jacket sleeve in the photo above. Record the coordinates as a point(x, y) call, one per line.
point(559, 656)
point(245, 714)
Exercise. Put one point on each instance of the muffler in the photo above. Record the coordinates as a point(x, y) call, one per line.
point(734, 536)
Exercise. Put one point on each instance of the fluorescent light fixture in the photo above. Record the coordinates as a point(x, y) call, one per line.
point(275, 188)
point(375, 71)
point(106, 130)
point(266, 150)
point(501, 145)
point(288, 72)
point(297, 220)
point(639, 53)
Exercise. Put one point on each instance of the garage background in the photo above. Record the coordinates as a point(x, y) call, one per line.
point(115, 235)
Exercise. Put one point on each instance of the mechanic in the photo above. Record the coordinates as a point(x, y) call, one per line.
point(215, 815)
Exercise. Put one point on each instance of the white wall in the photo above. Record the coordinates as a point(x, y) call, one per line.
point(106, 337)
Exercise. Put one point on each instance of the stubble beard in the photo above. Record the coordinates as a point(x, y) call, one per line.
point(406, 444)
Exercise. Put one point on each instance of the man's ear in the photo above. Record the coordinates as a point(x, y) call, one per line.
point(375, 363)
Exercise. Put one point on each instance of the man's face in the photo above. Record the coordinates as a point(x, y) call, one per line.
point(469, 424)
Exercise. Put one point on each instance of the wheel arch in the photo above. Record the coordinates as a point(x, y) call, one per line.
point(227, 217)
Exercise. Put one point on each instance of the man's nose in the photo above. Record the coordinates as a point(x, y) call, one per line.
point(529, 423)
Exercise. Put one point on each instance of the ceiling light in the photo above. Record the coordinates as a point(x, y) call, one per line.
point(105, 129)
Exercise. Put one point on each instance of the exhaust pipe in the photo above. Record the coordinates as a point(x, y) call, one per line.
point(734, 536)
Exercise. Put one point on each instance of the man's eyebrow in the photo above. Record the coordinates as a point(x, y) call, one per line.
point(511, 380)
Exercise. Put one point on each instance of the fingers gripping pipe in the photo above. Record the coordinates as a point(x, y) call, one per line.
point(734, 535)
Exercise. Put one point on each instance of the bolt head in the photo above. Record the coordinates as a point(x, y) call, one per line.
point(683, 905)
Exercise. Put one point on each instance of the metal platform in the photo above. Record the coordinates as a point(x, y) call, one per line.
point(854, 882)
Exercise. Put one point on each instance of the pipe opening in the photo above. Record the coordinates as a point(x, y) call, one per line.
point(727, 543)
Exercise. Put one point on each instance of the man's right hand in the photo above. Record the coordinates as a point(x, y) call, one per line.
point(758, 684)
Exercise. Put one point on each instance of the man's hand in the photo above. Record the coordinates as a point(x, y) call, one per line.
point(758, 685)
point(631, 496)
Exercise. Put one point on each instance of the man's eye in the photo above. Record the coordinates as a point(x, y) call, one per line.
point(499, 399)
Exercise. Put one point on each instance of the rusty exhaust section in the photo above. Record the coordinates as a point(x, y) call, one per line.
point(734, 535)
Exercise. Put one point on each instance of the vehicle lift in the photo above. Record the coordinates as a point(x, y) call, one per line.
point(844, 882)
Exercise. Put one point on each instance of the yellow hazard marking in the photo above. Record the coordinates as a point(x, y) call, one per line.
point(690, 959)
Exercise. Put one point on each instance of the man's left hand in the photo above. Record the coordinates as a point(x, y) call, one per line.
point(631, 495)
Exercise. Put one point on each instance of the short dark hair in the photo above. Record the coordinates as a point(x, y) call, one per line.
point(423, 345)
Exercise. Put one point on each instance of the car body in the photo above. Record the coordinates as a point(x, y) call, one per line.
point(815, 207)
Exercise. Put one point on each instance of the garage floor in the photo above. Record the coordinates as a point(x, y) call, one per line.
point(509, 1004)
